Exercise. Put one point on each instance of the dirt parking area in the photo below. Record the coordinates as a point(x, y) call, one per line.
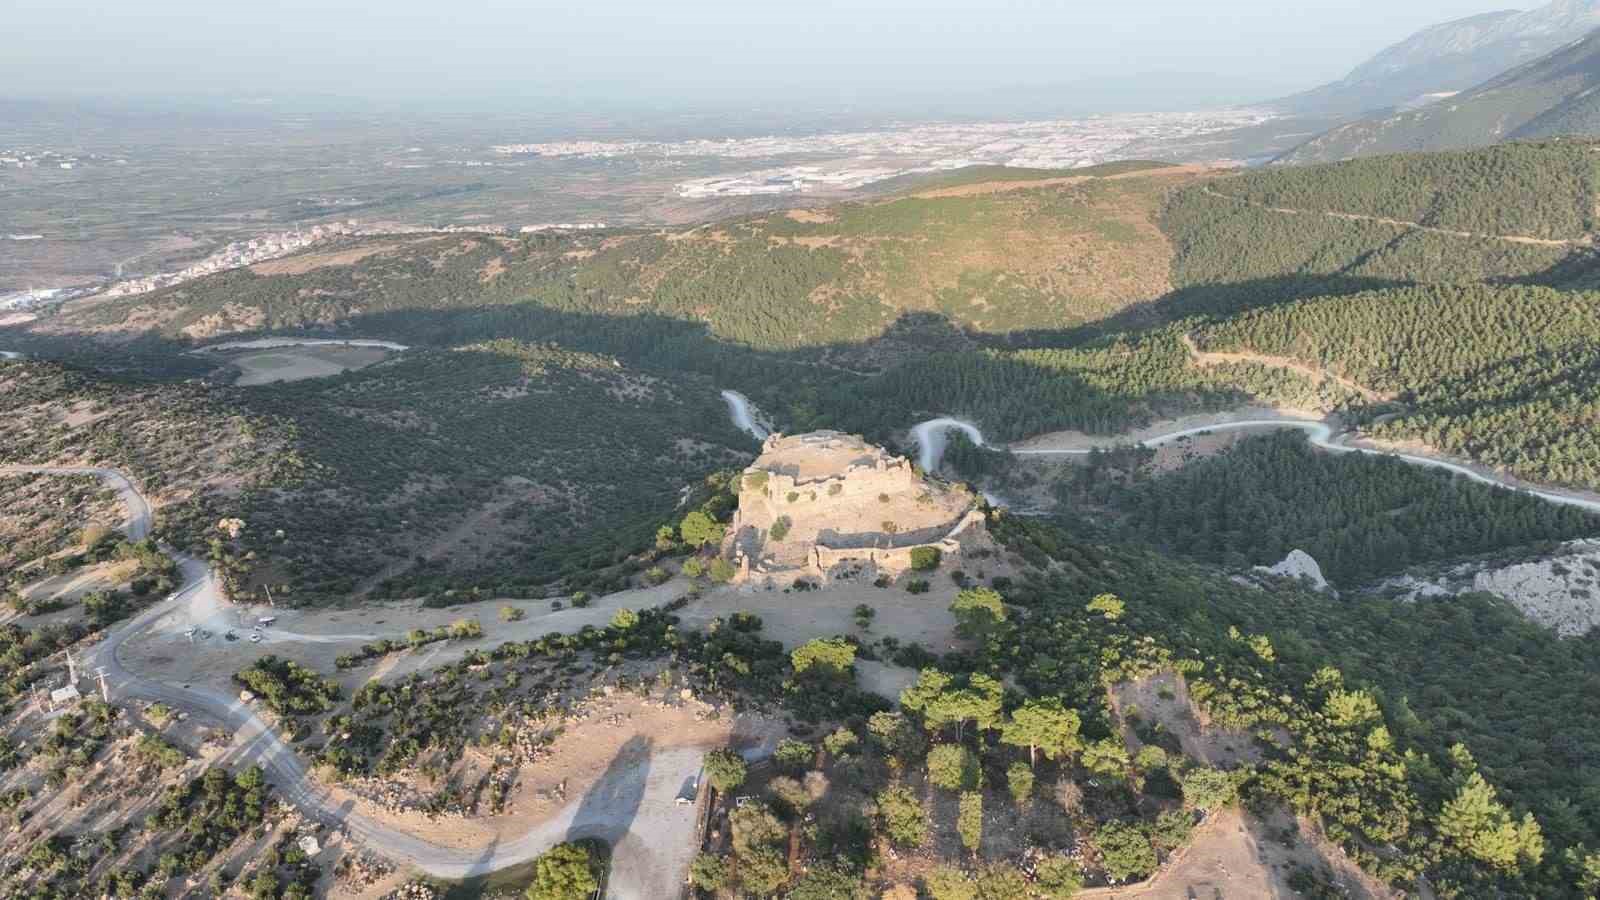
point(795, 617)
point(318, 637)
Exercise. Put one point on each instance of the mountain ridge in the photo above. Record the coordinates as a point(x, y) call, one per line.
point(1551, 96)
point(1449, 56)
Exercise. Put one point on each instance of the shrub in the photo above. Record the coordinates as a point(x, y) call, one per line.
point(1209, 789)
point(511, 614)
point(902, 818)
point(462, 629)
point(1108, 605)
point(1125, 851)
point(793, 755)
point(840, 742)
point(725, 769)
point(969, 821)
point(864, 615)
point(693, 567)
point(624, 619)
point(830, 657)
point(779, 529)
point(581, 599)
point(568, 871)
point(722, 571)
point(953, 767)
point(1002, 881)
point(925, 559)
point(1149, 758)
point(1019, 780)
point(287, 687)
point(709, 872)
point(978, 612)
point(826, 881)
point(698, 529)
point(947, 883)
point(1171, 829)
point(1057, 878)
point(917, 586)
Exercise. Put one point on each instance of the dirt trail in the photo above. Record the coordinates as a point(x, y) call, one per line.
point(1318, 375)
point(648, 860)
point(999, 187)
point(1585, 241)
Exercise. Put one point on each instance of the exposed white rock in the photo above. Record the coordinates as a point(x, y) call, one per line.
point(1560, 591)
point(1298, 564)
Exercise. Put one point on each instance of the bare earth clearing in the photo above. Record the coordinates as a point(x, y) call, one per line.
point(1235, 856)
point(298, 363)
point(996, 187)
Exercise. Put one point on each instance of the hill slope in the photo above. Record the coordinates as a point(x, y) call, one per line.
point(1451, 56)
point(1553, 95)
point(987, 251)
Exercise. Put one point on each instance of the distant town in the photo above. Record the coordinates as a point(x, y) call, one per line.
point(850, 160)
point(245, 253)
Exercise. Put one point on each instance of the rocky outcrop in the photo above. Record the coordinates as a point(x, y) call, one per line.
point(1561, 591)
point(1298, 565)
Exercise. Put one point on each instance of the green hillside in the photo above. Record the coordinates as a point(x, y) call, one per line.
point(1550, 96)
point(1454, 218)
point(985, 250)
point(1508, 376)
point(502, 467)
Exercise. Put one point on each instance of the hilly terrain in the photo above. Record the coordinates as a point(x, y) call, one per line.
point(1551, 96)
point(1029, 302)
point(987, 250)
point(1101, 689)
point(1448, 57)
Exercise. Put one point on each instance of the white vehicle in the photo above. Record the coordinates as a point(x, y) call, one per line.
point(266, 620)
point(255, 638)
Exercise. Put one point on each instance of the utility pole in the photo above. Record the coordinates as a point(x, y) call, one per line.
point(105, 689)
point(72, 669)
point(268, 589)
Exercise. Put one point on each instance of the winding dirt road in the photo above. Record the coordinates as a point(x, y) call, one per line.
point(1320, 433)
point(644, 862)
point(1586, 241)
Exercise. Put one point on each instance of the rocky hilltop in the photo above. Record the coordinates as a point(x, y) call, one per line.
point(827, 505)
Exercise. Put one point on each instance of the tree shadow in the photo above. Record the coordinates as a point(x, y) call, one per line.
point(608, 809)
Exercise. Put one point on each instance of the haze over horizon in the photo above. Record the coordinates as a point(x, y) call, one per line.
point(1162, 54)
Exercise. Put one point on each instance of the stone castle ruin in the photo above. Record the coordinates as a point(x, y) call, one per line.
point(825, 504)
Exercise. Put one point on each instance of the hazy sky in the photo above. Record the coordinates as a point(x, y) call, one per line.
point(689, 51)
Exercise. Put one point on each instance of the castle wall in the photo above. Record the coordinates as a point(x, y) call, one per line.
point(844, 507)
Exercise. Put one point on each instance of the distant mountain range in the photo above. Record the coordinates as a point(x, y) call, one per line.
point(1449, 57)
point(1553, 95)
